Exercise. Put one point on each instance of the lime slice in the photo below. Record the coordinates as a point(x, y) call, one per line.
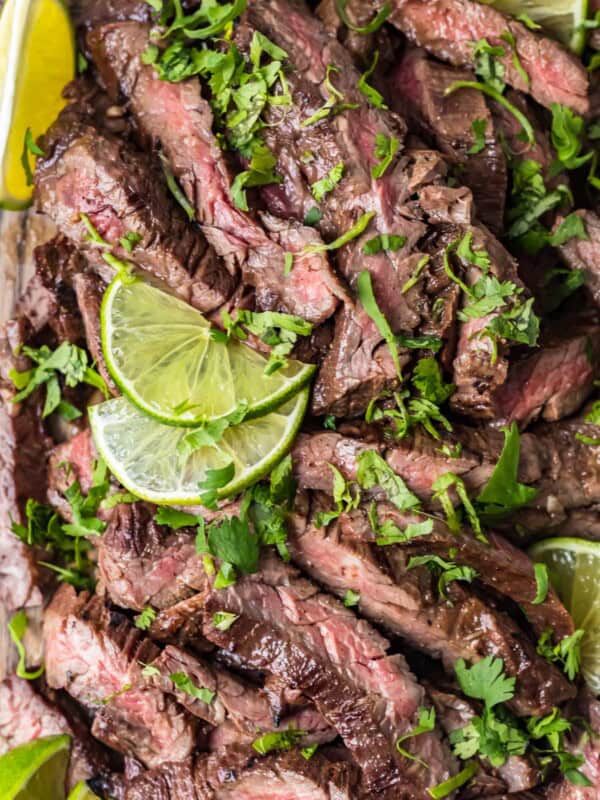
point(82, 792)
point(574, 570)
point(160, 353)
point(37, 59)
point(151, 461)
point(562, 18)
point(36, 770)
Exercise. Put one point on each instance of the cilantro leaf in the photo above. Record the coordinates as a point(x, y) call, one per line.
point(487, 67)
point(280, 331)
point(441, 487)
point(490, 737)
point(572, 226)
point(425, 724)
point(351, 598)
point(346, 496)
point(145, 618)
point(373, 96)
point(185, 684)
point(567, 132)
point(214, 480)
point(231, 540)
point(176, 189)
point(322, 187)
point(29, 147)
point(441, 790)
point(277, 740)
point(223, 620)
point(383, 242)
point(385, 150)
point(313, 216)
point(567, 653)
point(388, 532)
point(541, 580)
point(333, 105)
point(447, 571)
point(374, 471)
point(129, 241)
point(260, 172)
point(427, 378)
point(425, 342)
point(485, 680)
point(496, 94)
point(369, 303)
point(355, 231)
point(174, 519)
point(479, 127)
point(374, 25)
point(503, 493)
point(414, 278)
point(16, 628)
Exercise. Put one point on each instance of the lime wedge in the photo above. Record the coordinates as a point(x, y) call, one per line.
point(37, 60)
point(36, 770)
point(151, 460)
point(82, 792)
point(561, 18)
point(161, 354)
point(574, 571)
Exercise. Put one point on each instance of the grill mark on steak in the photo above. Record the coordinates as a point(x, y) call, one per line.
point(311, 290)
point(406, 602)
point(86, 170)
point(289, 629)
point(95, 655)
point(416, 89)
point(446, 28)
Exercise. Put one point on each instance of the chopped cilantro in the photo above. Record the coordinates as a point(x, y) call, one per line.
point(479, 258)
point(425, 724)
point(426, 341)
point(223, 620)
point(572, 226)
point(176, 189)
point(309, 751)
point(329, 422)
point(479, 127)
point(567, 138)
point(16, 628)
point(447, 571)
point(148, 671)
point(374, 471)
point(174, 519)
point(503, 493)
point(541, 580)
point(359, 227)
point(385, 150)
point(313, 216)
point(414, 278)
point(509, 38)
point(369, 303)
point(427, 378)
point(232, 541)
point(351, 598)
point(445, 788)
point(373, 96)
point(260, 172)
point(441, 487)
point(487, 67)
point(29, 147)
point(214, 480)
point(322, 187)
point(129, 241)
point(145, 618)
point(333, 105)
point(383, 242)
point(373, 26)
point(528, 131)
point(346, 496)
point(279, 330)
point(207, 20)
point(567, 653)
point(388, 533)
point(559, 285)
point(185, 684)
point(277, 740)
point(528, 22)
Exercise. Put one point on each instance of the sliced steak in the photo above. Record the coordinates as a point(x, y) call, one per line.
point(407, 603)
point(416, 89)
point(553, 382)
point(82, 167)
point(287, 628)
point(240, 774)
point(447, 29)
point(180, 119)
point(95, 655)
point(584, 254)
point(89, 289)
point(583, 740)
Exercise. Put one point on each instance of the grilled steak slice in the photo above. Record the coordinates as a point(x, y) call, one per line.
point(584, 740)
point(82, 167)
point(416, 89)
point(407, 603)
point(447, 28)
point(174, 113)
point(95, 655)
point(142, 563)
point(241, 775)
point(288, 629)
point(553, 382)
point(584, 254)
point(89, 289)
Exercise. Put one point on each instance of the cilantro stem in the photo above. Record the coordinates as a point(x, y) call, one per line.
point(359, 227)
point(455, 782)
point(367, 298)
point(481, 87)
point(450, 272)
point(374, 25)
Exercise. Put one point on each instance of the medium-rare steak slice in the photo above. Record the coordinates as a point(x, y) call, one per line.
point(416, 89)
point(180, 119)
point(89, 289)
point(448, 29)
point(95, 655)
point(554, 381)
point(87, 171)
point(406, 602)
point(287, 628)
point(240, 774)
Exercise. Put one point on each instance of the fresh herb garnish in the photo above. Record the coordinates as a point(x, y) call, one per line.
point(260, 172)
point(359, 227)
point(567, 134)
point(280, 331)
point(346, 496)
point(479, 127)
point(487, 67)
point(385, 150)
point(503, 493)
point(145, 618)
point(541, 581)
point(373, 96)
point(374, 25)
point(559, 285)
point(441, 790)
point(277, 740)
point(374, 471)
point(327, 184)
point(426, 341)
point(223, 620)
point(214, 480)
point(496, 95)
point(16, 628)
point(567, 653)
point(425, 724)
point(313, 216)
point(29, 147)
point(509, 38)
point(174, 519)
point(185, 684)
point(447, 571)
point(129, 241)
point(388, 533)
point(333, 105)
point(369, 303)
point(441, 487)
point(176, 189)
point(414, 278)
point(389, 242)
point(572, 227)
point(351, 598)
point(528, 22)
